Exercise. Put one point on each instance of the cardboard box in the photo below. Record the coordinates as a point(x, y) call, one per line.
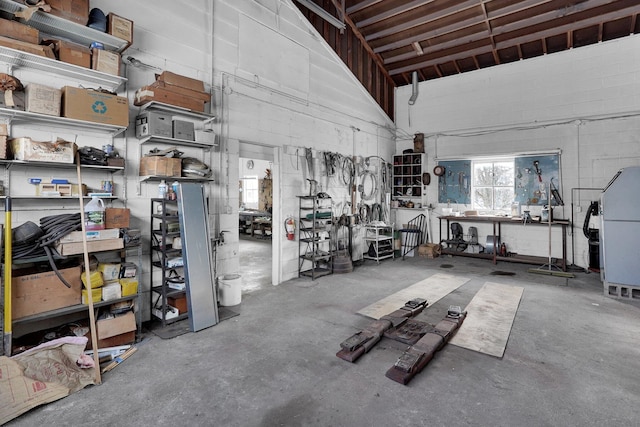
point(39, 292)
point(95, 277)
point(34, 49)
point(128, 270)
point(110, 271)
point(174, 79)
point(160, 166)
point(76, 236)
point(73, 10)
point(42, 99)
point(117, 217)
point(201, 96)
point(75, 248)
point(122, 324)
point(178, 302)
point(111, 291)
point(19, 31)
point(151, 123)
point(129, 286)
point(122, 339)
point(71, 53)
point(12, 99)
point(120, 27)
point(93, 106)
point(183, 129)
point(76, 189)
point(64, 189)
point(429, 250)
point(46, 189)
point(27, 149)
point(147, 94)
point(105, 61)
point(96, 295)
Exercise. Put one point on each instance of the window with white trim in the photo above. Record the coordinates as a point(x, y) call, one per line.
point(493, 185)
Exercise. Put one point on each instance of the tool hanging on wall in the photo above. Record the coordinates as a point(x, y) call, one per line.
point(536, 165)
point(308, 154)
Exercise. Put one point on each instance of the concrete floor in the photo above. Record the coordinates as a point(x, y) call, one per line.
point(572, 360)
point(255, 263)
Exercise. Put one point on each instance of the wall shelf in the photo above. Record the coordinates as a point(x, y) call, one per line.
point(63, 28)
point(17, 58)
point(60, 122)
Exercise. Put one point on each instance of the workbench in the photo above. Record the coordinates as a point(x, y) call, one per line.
point(497, 223)
point(252, 220)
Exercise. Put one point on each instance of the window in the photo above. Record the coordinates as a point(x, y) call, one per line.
point(493, 185)
point(250, 192)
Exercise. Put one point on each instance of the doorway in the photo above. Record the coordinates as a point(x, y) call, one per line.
point(255, 214)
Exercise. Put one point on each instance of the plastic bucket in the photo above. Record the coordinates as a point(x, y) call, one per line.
point(230, 287)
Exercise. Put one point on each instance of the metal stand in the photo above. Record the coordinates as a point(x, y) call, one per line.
point(550, 269)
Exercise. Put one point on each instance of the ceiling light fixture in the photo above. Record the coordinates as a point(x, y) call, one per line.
point(417, 48)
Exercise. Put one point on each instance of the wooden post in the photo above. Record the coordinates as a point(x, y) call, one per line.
point(92, 315)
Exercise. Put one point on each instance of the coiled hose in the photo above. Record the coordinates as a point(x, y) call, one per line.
point(54, 228)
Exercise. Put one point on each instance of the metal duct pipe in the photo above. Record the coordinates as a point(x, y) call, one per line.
point(414, 88)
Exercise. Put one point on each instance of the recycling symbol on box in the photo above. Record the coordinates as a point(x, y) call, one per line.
point(99, 107)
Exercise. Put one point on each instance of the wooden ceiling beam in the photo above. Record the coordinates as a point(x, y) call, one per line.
point(362, 5)
point(430, 34)
point(572, 25)
point(404, 8)
point(406, 25)
point(440, 59)
point(438, 47)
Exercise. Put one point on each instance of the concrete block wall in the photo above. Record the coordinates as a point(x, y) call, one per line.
point(583, 102)
point(309, 101)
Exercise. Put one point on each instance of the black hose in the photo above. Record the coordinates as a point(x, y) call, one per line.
point(593, 210)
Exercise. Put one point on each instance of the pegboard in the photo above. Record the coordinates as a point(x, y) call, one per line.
point(531, 184)
point(455, 185)
point(532, 177)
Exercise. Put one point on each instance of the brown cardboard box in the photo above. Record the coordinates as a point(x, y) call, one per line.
point(120, 27)
point(19, 31)
point(149, 93)
point(40, 292)
point(105, 61)
point(42, 99)
point(25, 148)
point(178, 302)
point(122, 324)
point(160, 166)
point(177, 80)
point(116, 217)
point(71, 53)
point(34, 49)
point(75, 248)
point(93, 106)
point(122, 339)
point(430, 250)
point(201, 96)
point(73, 10)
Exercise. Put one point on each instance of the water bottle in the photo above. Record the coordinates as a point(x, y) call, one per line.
point(162, 189)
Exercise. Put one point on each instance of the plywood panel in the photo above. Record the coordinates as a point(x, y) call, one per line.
point(489, 319)
point(432, 289)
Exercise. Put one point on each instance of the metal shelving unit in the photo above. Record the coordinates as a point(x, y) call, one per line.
point(380, 240)
point(163, 213)
point(315, 237)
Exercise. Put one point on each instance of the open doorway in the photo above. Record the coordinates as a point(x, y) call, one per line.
point(255, 188)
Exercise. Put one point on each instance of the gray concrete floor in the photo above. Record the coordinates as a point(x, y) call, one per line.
point(255, 263)
point(572, 360)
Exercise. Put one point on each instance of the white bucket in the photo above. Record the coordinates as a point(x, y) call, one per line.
point(230, 286)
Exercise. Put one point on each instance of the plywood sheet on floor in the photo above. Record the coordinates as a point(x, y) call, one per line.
point(490, 316)
point(432, 289)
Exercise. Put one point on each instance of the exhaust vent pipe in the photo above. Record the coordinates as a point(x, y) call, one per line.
point(414, 88)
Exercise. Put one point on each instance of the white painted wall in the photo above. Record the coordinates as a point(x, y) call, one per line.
point(584, 102)
point(275, 83)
